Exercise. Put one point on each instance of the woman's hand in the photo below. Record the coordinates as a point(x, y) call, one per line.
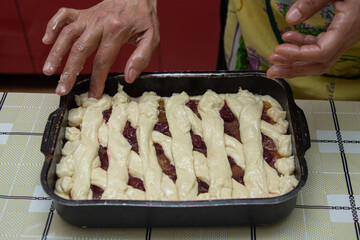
point(305, 55)
point(105, 27)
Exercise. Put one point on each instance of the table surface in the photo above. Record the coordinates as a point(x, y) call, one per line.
point(327, 207)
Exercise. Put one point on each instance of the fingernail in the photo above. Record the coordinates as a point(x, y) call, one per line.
point(48, 68)
point(133, 74)
point(91, 94)
point(60, 89)
point(294, 15)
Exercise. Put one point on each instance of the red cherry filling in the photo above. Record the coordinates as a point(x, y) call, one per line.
point(97, 192)
point(103, 157)
point(198, 143)
point(130, 134)
point(193, 105)
point(203, 187)
point(270, 153)
point(226, 113)
point(158, 148)
point(163, 128)
point(165, 164)
point(162, 124)
point(106, 114)
point(264, 116)
point(231, 123)
point(136, 183)
point(237, 171)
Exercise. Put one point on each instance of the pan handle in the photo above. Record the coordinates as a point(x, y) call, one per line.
point(48, 141)
point(303, 130)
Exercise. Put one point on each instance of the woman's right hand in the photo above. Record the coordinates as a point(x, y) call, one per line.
point(106, 27)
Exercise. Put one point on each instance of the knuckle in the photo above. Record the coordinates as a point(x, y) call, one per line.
point(55, 52)
point(50, 25)
point(69, 29)
point(100, 15)
point(79, 48)
point(309, 4)
point(63, 10)
point(116, 23)
point(100, 61)
point(111, 20)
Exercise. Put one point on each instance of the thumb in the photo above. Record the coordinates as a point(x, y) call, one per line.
point(302, 10)
point(140, 58)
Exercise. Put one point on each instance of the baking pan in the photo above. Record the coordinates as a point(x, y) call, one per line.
point(136, 213)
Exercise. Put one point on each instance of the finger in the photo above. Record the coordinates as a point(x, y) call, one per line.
point(293, 38)
point(104, 59)
point(302, 10)
point(79, 52)
point(141, 56)
point(276, 58)
point(297, 69)
point(298, 38)
point(324, 49)
point(63, 16)
point(62, 45)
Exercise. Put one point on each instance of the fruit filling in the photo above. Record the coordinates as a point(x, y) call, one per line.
point(162, 124)
point(136, 183)
point(97, 192)
point(231, 123)
point(270, 153)
point(106, 114)
point(203, 187)
point(130, 134)
point(237, 171)
point(103, 157)
point(264, 116)
point(193, 104)
point(198, 143)
point(165, 164)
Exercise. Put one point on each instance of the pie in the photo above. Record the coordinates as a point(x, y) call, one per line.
point(178, 148)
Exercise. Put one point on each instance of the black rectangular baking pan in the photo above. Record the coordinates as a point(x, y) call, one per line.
point(130, 213)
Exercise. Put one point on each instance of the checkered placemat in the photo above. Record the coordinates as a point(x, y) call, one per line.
point(327, 207)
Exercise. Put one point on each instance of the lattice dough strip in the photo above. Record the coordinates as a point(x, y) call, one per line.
point(118, 150)
point(249, 121)
point(213, 135)
point(87, 149)
point(179, 127)
point(148, 105)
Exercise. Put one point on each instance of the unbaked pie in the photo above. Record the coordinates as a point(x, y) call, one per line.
point(214, 146)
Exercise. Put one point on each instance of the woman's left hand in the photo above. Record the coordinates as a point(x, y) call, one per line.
point(305, 55)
